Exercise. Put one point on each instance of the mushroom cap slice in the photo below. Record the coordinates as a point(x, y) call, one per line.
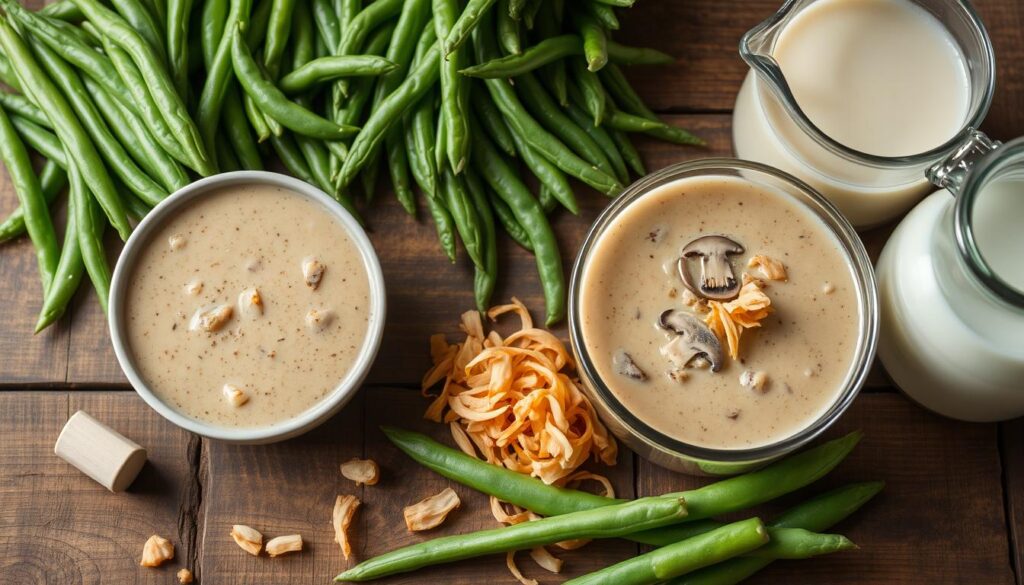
point(717, 280)
point(693, 339)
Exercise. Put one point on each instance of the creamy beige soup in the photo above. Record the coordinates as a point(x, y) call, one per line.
point(248, 307)
point(789, 370)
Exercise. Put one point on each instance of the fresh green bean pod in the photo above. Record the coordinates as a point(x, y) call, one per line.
point(626, 97)
point(358, 31)
point(549, 175)
point(506, 183)
point(158, 82)
point(273, 102)
point(68, 275)
point(278, 30)
point(90, 226)
point(214, 19)
point(554, 74)
point(515, 8)
point(603, 14)
point(22, 106)
point(552, 49)
point(595, 41)
point(544, 108)
point(227, 161)
point(485, 279)
point(42, 140)
point(219, 74)
point(508, 30)
point(619, 120)
point(682, 557)
point(52, 179)
point(49, 99)
point(443, 222)
point(625, 55)
point(491, 121)
point(398, 168)
point(158, 10)
point(30, 194)
point(546, 199)
point(62, 10)
point(143, 23)
point(178, 20)
point(138, 142)
point(529, 15)
point(347, 11)
point(292, 158)
point(303, 37)
point(629, 152)
point(256, 119)
point(454, 90)
point(508, 221)
point(236, 129)
point(617, 3)
point(609, 522)
point(326, 19)
point(109, 147)
point(335, 67)
point(603, 140)
point(467, 21)
point(591, 92)
point(460, 205)
point(7, 73)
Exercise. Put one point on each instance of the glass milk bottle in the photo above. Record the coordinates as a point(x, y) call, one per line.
point(860, 97)
point(951, 288)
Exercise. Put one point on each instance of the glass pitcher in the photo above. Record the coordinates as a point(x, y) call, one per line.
point(951, 287)
point(770, 127)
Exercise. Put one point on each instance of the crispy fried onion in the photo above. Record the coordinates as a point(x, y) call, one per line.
point(344, 510)
point(729, 320)
point(515, 399)
point(431, 512)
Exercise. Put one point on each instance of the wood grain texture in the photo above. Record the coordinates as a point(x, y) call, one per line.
point(59, 526)
point(1012, 449)
point(939, 520)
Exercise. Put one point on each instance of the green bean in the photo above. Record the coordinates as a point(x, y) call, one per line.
point(554, 74)
point(509, 222)
point(467, 21)
point(618, 3)
point(619, 120)
point(7, 73)
point(139, 143)
point(546, 199)
point(726, 496)
point(624, 55)
point(82, 33)
point(136, 208)
point(331, 68)
point(256, 119)
point(292, 158)
point(22, 106)
point(303, 37)
point(274, 103)
point(391, 110)
point(526, 127)
point(419, 141)
point(90, 233)
point(484, 279)
point(109, 147)
point(460, 205)
point(819, 513)
point(627, 98)
point(67, 277)
point(555, 48)
point(443, 223)
point(515, 8)
point(508, 30)
point(42, 140)
point(327, 23)
point(158, 83)
point(490, 120)
point(158, 8)
point(602, 139)
point(454, 91)
point(178, 19)
point(595, 41)
point(51, 180)
point(219, 74)
point(358, 31)
point(227, 161)
point(506, 183)
point(278, 30)
point(530, 12)
point(591, 92)
point(215, 16)
point(440, 151)
point(608, 522)
point(347, 10)
point(682, 557)
point(49, 99)
point(141, 20)
point(549, 175)
point(544, 108)
point(62, 10)
point(603, 14)
point(30, 194)
point(628, 151)
point(236, 128)
point(398, 168)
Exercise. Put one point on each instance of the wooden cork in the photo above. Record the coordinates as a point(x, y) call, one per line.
point(100, 452)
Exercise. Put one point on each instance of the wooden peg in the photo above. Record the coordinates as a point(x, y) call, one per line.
point(100, 452)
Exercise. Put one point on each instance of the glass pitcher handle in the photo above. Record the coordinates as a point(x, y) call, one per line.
point(949, 173)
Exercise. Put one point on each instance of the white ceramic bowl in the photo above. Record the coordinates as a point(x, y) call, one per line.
point(347, 386)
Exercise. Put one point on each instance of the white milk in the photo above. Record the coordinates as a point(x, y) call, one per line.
point(998, 221)
point(883, 77)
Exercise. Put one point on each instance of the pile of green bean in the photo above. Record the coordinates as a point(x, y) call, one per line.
point(128, 100)
point(691, 548)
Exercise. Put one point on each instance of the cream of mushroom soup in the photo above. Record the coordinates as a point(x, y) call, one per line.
point(720, 313)
point(247, 307)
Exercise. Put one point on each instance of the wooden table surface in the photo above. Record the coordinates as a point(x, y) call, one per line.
point(953, 510)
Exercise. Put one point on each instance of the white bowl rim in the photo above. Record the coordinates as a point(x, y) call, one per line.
point(322, 410)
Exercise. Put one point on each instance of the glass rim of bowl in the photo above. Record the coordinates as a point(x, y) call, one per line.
point(862, 274)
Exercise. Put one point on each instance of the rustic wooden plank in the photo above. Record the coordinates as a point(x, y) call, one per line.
point(91, 360)
point(1012, 443)
point(59, 526)
point(939, 520)
point(291, 487)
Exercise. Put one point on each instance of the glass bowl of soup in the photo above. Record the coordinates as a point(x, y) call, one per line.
point(723, 314)
point(247, 307)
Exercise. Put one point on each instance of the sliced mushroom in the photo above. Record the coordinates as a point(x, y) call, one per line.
point(693, 340)
point(717, 280)
point(624, 365)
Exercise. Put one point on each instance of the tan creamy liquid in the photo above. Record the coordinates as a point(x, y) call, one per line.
point(805, 346)
point(880, 76)
point(229, 241)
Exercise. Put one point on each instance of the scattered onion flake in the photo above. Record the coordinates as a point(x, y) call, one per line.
point(510, 562)
point(344, 510)
point(515, 399)
point(546, 560)
point(728, 320)
point(431, 512)
point(361, 471)
point(771, 268)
